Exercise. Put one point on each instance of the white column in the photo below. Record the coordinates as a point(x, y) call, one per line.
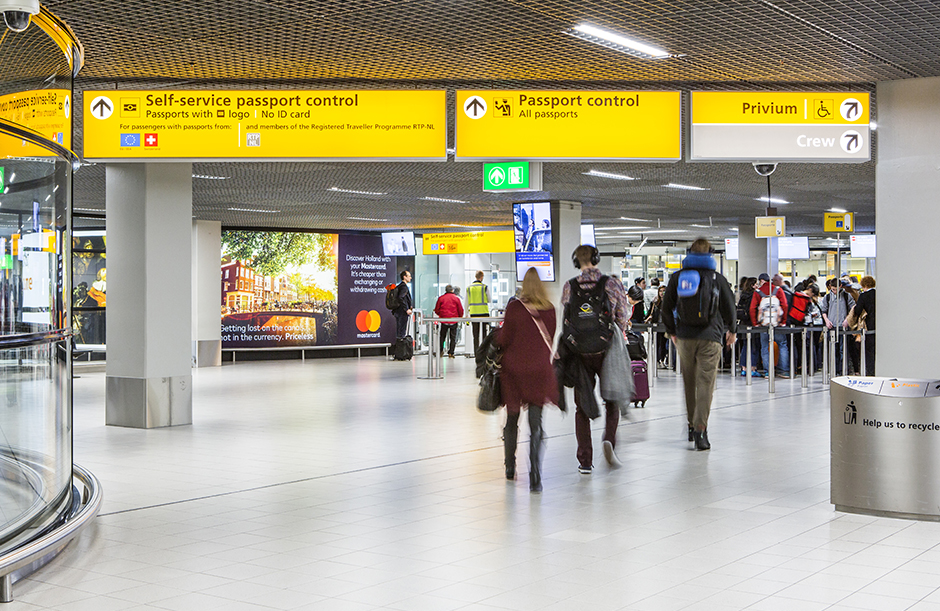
point(752, 253)
point(906, 179)
point(567, 219)
point(149, 222)
point(207, 294)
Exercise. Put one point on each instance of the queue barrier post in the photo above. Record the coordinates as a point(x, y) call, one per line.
point(845, 351)
point(803, 378)
point(863, 364)
point(749, 365)
point(772, 356)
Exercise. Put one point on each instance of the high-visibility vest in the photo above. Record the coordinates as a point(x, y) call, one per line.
point(477, 298)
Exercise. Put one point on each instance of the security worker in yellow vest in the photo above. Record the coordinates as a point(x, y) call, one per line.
point(478, 304)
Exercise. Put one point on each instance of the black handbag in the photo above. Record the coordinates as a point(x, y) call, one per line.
point(490, 397)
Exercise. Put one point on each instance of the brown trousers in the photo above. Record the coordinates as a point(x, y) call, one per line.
point(698, 360)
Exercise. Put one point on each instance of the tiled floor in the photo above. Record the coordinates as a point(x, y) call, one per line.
point(349, 484)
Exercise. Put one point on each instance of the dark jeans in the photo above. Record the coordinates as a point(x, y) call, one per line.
point(510, 435)
point(450, 330)
point(582, 424)
point(477, 336)
point(869, 355)
point(401, 323)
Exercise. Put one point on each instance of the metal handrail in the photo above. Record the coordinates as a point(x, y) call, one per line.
point(91, 497)
point(21, 340)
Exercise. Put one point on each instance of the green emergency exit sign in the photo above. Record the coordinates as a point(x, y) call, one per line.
point(512, 176)
point(3, 181)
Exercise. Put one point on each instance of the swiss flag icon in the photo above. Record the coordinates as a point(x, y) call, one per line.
point(150, 139)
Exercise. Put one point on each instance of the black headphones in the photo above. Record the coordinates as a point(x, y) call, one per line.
point(595, 256)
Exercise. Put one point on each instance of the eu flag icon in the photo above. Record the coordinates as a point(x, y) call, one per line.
point(130, 139)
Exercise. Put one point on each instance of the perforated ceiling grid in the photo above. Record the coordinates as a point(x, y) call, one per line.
point(732, 44)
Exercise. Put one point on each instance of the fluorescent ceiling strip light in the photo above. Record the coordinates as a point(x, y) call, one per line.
point(665, 231)
point(87, 210)
point(616, 42)
point(442, 199)
point(464, 226)
point(338, 190)
point(703, 226)
point(673, 185)
point(254, 210)
point(734, 229)
point(600, 174)
point(207, 177)
point(89, 233)
point(619, 228)
point(630, 218)
point(359, 218)
point(773, 200)
point(837, 210)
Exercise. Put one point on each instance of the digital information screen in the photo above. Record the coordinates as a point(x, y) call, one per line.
point(532, 232)
point(731, 249)
point(398, 244)
point(587, 235)
point(862, 246)
point(793, 248)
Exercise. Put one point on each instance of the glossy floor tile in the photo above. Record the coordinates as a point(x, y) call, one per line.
point(350, 484)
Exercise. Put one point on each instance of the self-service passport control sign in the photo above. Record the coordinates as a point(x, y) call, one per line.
point(885, 446)
point(265, 124)
point(780, 126)
point(568, 125)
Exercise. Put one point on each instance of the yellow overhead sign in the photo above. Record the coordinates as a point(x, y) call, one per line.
point(47, 111)
point(577, 125)
point(839, 222)
point(264, 124)
point(770, 226)
point(777, 107)
point(468, 242)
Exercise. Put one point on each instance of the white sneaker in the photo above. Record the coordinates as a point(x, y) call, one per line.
point(611, 456)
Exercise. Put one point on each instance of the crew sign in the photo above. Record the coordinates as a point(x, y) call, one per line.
point(568, 125)
point(263, 124)
point(780, 126)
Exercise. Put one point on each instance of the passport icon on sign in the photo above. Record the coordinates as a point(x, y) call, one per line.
point(130, 139)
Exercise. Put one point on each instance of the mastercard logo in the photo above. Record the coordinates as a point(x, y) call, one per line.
point(368, 320)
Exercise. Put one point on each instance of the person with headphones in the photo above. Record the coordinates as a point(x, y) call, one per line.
point(586, 258)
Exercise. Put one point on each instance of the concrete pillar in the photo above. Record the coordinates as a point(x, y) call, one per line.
point(207, 295)
point(752, 252)
point(149, 375)
point(906, 179)
point(567, 219)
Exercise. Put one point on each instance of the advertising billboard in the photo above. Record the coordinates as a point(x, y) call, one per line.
point(532, 231)
point(399, 243)
point(298, 289)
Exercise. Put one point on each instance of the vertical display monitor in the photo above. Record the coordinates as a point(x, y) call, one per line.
point(862, 246)
point(398, 244)
point(587, 235)
point(793, 248)
point(532, 231)
point(731, 249)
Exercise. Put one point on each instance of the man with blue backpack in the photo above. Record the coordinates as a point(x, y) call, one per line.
point(699, 315)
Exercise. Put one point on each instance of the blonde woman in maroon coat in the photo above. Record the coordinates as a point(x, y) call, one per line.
point(527, 378)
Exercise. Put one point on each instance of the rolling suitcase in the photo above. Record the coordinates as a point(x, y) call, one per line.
point(641, 383)
point(404, 349)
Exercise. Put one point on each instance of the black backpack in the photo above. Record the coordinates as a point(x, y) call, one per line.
point(698, 293)
point(392, 302)
point(588, 325)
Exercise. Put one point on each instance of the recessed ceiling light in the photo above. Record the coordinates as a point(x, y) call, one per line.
point(87, 210)
point(360, 218)
point(773, 200)
point(616, 42)
point(207, 177)
point(442, 199)
point(354, 192)
point(255, 210)
point(600, 174)
point(837, 210)
point(673, 185)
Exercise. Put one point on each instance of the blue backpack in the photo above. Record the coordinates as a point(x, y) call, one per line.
point(698, 293)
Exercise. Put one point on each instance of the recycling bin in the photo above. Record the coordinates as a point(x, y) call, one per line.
point(885, 446)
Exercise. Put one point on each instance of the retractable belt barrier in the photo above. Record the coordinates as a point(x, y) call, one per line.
point(435, 354)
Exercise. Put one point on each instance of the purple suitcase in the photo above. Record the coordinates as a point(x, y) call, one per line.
point(641, 383)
